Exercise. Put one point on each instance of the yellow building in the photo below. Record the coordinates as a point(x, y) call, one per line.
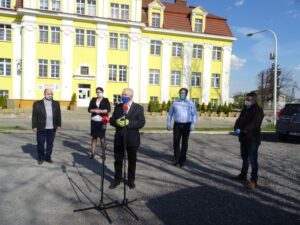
point(74, 46)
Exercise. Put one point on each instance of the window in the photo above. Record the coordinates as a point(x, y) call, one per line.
point(123, 41)
point(113, 40)
point(216, 53)
point(198, 25)
point(56, 5)
point(117, 99)
point(155, 47)
point(80, 37)
point(44, 34)
point(155, 20)
point(196, 79)
point(173, 99)
point(114, 11)
point(154, 77)
point(44, 4)
point(124, 12)
point(55, 35)
point(43, 68)
point(153, 98)
point(5, 67)
point(4, 93)
point(177, 49)
point(112, 73)
point(197, 51)
point(175, 78)
point(214, 102)
point(55, 69)
point(122, 73)
point(215, 81)
point(84, 70)
point(80, 6)
point(90, 38)
point(5, 3)
point(5, 32)
point(195, 101)
point(91, 7)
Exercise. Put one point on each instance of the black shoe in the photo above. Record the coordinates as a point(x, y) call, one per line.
point(40, 162)
point(114, 184)
point(92, 156)
point(49, 160)
point(239, 177)
point(131, 185)
point(174, 163)
point(181, 164)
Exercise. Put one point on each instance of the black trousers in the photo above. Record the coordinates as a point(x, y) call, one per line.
point(181, 132)
point(119, 156)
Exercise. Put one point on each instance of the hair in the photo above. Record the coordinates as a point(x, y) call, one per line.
point(253, 95)
point(99, 89)
point(184, 89)
point(130, 90)
point(47, 90)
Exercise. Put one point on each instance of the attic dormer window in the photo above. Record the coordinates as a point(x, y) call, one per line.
point(155, 20)
point(198, 25)
point(44, 4)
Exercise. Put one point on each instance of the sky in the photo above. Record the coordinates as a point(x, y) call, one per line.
point(250, 55)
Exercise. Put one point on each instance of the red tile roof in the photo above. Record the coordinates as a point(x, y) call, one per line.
point(177, 17)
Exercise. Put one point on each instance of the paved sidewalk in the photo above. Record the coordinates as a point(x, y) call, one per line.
point(199, 193)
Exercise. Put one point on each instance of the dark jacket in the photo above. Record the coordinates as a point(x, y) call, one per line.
point(136, 121)
point(104, 104)
point(249, 122)
point(39, 115)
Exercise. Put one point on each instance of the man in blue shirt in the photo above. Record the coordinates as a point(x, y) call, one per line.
point(185, 116)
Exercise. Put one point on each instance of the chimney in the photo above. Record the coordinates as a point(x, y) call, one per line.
point(181, 2)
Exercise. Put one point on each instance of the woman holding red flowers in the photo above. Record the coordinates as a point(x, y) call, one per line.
point(99, 108)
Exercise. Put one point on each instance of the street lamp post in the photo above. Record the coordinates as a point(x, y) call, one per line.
point(275, 71)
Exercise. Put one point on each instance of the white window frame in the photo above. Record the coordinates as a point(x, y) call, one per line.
point(154, 77)
point(177, 49)
point(85, 70)
point(196, 79)
point(56, 5)
point(124, 12)
point(154, 98)
point(114, 10)
point(155, 47)
point(44, 4)
point(4, 93)
point(175, 78)
point(198, 25)
point(214, 102)
point(112, 73)
point(195, 101)
point(124, 41)
point(5, 32)
point(43, 34)
point(80, 7)
point(55, 35)
point(155, 20)
point(217, 53)
point(113, 40)
point(90, 36)
point(80, 37)
point(5, 67)
point(117, 98)
point(215, 80)
point(197, 51)
point(122, 73)
point(5, 4)
point(43, 68)
point(91, 7)
point(55, 68)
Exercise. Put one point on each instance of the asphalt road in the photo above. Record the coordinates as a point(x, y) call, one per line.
point(199, 193)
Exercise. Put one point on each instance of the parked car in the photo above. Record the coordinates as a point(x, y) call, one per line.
point(288, 121)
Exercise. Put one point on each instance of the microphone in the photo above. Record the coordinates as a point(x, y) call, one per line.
point(125, 109)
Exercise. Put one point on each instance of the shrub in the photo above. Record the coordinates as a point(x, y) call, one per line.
point(214, 108)
point(203, 108)
point(169, 104)
point(163, 106)
point(3, 102)
point(208, 108)
point(150, 106)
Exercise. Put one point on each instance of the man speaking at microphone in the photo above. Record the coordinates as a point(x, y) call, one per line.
point(128, 117)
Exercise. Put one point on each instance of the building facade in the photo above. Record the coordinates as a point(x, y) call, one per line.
point(74, 46)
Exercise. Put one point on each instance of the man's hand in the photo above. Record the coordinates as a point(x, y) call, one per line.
point(34, 130)
point(168, 127)
point(237, 132)
point(192, 127)
point(58, 128)
point(122, 122)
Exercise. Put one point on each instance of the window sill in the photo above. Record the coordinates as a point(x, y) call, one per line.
point(83, 77)
point(155, 55)
point(7, 41)
point(47, 78)
point(7, 76)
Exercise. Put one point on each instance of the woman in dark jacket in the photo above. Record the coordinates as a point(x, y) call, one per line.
point(99, 108)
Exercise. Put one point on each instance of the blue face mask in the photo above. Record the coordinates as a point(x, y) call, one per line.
point(125, 99)
point(182, 96)
point(248, 104)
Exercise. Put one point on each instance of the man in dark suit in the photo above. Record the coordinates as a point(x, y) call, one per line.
point(46, 119)
point(248, 127)
point(127, 117)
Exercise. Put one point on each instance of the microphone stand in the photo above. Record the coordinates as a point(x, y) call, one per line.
point(101, 207)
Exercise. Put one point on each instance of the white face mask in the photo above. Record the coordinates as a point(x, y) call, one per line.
point(99, 95)
point(248, 104)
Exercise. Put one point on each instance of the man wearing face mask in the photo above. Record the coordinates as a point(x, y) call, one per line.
point(46, 119)
point(130, 115)
point(248, 128)
point(185, 116)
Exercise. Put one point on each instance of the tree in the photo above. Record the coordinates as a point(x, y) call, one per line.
point(239, 100)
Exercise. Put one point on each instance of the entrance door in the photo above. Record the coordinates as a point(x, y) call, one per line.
point(84, 95)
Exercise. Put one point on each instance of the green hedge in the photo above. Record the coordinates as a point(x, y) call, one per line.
point(3, 102)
